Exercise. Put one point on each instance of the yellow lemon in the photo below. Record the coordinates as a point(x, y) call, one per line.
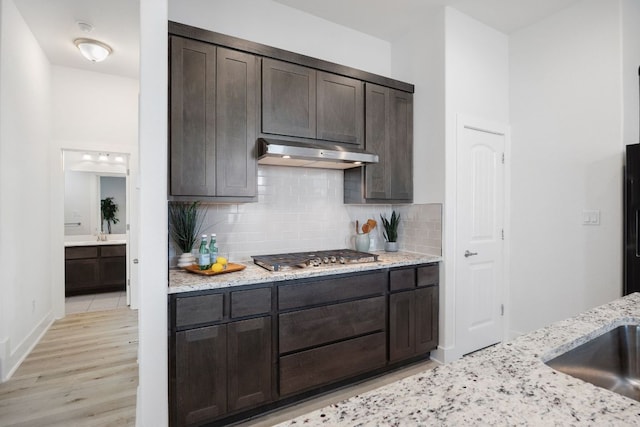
point(217, 267)
point(221, 260)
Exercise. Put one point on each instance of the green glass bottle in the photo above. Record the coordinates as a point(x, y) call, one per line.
point(204, 257)
point(213, 249)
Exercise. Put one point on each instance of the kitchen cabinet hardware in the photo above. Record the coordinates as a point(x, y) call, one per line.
point(467, 254)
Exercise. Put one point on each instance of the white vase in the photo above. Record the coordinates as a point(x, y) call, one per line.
point(186, 259)
point(362, 242)
point(391, 246)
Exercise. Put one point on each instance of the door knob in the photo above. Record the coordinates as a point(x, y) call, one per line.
point(467, 254)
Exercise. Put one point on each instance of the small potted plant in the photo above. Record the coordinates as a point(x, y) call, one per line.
point(391, 232)
point(108, 210)
point(185, 224)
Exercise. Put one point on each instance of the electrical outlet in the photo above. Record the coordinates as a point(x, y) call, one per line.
point(590, 217)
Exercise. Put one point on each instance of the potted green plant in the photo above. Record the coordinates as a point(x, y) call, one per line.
point(185, 224)
point(108, 210)
point(391, 231)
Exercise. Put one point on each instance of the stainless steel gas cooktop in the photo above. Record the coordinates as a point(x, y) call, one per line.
point(297, 260)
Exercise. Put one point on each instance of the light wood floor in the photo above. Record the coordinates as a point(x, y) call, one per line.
point(83, 372)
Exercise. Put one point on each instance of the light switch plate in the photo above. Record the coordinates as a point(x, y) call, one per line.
point(590, 217)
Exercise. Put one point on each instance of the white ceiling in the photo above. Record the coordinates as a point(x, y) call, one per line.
point(387, 19)
point(116, 22)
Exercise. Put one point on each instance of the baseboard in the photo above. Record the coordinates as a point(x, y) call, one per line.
point(445, 354)
point(11, 360)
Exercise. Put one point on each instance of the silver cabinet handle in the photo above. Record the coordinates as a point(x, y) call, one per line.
point(135, 261)
point(467, 254)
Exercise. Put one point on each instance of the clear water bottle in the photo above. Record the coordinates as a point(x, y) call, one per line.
point(204, 256)
point(213, 249)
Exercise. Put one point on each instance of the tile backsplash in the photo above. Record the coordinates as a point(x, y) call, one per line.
point(302, 209)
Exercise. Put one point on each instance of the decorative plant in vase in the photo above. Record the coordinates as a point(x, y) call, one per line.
point(391, 231)
point(185, 224)
point(108, 210)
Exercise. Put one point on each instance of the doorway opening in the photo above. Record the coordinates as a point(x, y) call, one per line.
point(96, 230)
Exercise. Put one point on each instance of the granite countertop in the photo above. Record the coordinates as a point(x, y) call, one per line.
point(94, 242)
point(183, 281)
point(505, 385)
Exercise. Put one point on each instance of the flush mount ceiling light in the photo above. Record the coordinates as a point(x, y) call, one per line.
point(93, 50)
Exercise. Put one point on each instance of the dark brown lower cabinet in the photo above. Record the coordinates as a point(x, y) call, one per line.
point(95, 269)
point(221, 369)
point(201, 375)
point(234, 352)
point(249, 363)
point(413, 323)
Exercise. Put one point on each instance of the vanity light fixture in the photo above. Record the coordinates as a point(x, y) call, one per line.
point(103, 157)
point(93, 50)
point(119, 159)
point(87, 157)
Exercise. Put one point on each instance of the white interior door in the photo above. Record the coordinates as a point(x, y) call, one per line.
point(479, 244)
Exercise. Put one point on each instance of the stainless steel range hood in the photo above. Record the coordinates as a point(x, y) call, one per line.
point(311, 155)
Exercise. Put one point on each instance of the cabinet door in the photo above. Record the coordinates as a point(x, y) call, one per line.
point(402, 326)
point(81, 276)
point(377, 178)
point(288, 99)
point(201, 375)
point(236, 102)
point(340, 108)
point(249, 361)
point(192, 118)
point(401, 145)
point(426, 305)
point(113, 272)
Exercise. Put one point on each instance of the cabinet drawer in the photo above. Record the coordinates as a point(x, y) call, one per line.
point(200, 309)
point(317, 326)
point(79, 252)
point(330, 290)
point(402, 279)
point(331, 363)
point(428, 275)
point(114, 250)
point(250, 302)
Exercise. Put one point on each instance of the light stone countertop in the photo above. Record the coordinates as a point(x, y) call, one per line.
point(184, 281)
point(94, 242)
point(504, 385)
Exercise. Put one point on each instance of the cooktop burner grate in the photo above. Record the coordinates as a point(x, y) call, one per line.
point(292, 261)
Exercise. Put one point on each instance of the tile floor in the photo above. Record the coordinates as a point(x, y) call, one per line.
point(95, 302)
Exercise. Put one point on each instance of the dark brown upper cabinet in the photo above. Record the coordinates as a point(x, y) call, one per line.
point(340, 109)
point(213, 113)
point(388, 133)
point(288, 99)
point(301, 102)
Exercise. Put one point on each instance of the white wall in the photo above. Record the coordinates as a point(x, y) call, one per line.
point(630, 63)
point(93, 108)
point(152, 407)
point(476, 86)
point(418, 57)
point(277, 25)
point(566, 119)
point(26, 303)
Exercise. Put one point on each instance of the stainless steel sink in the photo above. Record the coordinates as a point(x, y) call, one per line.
point(611, 361)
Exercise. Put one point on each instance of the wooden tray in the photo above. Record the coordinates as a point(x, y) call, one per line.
point(231, 267)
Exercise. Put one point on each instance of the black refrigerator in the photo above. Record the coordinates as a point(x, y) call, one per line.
point(632, 219)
